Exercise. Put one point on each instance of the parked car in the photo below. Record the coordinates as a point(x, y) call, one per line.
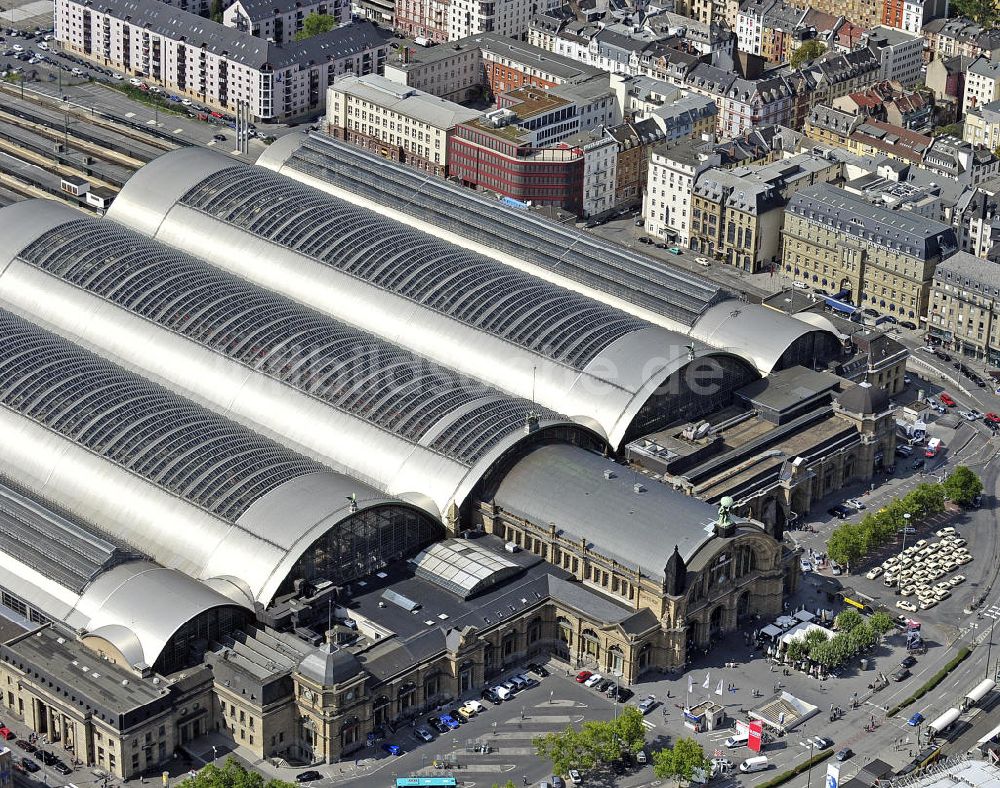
point(537, 669)
point(908, 324)
point(624, 694)
point(908, 662)
point(392, 749)
point(839, 511)
point(422, 734)
point(856, 504)
point(915, 720)
point(822, 742)
point(29, 765)
point(436, 724)
point(593, 680)
point(491, 696)
point(901, 674)
point(805, 565)
point(844, 754)
point(645, 240)
point(583, 675)
point(451, 722)
point(946, 399)
point(6, 733)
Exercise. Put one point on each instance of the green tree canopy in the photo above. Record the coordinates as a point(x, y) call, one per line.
point(216, 12)
point(847, 619)
point(594, 743)
point(881, 622)
point(962, 485)
point(232, 774)
point(679, 761)
point(810, 50)
point(984, 12)
point(508, 784)
point(314, 24)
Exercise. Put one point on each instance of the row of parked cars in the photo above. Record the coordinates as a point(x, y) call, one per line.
point(40, 756)
point(608, 687)
point(917, 567)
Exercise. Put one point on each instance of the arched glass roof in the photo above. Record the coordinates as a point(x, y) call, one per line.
point(467, 287)
point(463, 567)
point(582, 257)
point(326, 359)
point(185, 450)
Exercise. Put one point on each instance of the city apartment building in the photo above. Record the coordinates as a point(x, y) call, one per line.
point(670, 182)
point(910, 16)
point(511, 64)
point(884, 259)
point(982, 83)
point(964, 309)
point(280, 20)
point(399, 123)
point(959, 36)
point(217, 65)
point(454, 72)
point(982, 125)
point(900, 54)
point(438, 21)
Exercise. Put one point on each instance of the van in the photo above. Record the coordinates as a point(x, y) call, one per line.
point(737, 741)
point(758, 764)
point(518, 682)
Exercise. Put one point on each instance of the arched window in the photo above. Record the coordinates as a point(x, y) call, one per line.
point(407, 696)
point(565, 631)
point(380, 710)
point(591, 644)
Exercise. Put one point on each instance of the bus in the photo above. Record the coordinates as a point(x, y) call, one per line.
point(426, 782)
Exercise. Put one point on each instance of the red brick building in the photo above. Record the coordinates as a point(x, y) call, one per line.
point(503, 161)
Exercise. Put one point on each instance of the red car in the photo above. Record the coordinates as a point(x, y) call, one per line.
point(992, 418)
point(946, 399)
point(7, 733)
point(218, 115)
point(583, 675)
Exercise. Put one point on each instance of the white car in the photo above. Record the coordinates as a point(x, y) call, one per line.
point(921, 543)
point(597, 678)
point(855, 503)
point(186, 102)
point(906, 591)
point(902, 604)
point(949, 531)
point(957, 580)
point(927, 603)
point(800, 285)
point(941, 595)
point(806, 566)
point(135, 82)
point(874, 573)
point(964, 558)
point(958, 542)
point(703, 261)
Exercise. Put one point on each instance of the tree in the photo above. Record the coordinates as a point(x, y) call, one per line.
point(882, 622)
point(847, 619)
point(983, 12)
point(314, 24)
point(216, 12)
point(809, 51)
point(679, 761)
point(508, 784)
point(231, 775)
point(629, 730)
point(565, 750)
point(962, 485)
point(845, 544)
point(796, 651)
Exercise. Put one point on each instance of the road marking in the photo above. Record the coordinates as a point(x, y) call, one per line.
point(648, 724)
point(516, 750)
point(129, 114)
point(178, 131)
point(542, 718)
point(488, 767)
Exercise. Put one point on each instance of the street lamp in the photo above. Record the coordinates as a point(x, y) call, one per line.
point(809, 774)
point(906, 524)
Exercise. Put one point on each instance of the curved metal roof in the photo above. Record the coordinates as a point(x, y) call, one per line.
point(138, 607)
point(192, 490)
point(351, 172)
point(488, 320)
point(753, 332)
point(405, 425)
point(650, 289)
